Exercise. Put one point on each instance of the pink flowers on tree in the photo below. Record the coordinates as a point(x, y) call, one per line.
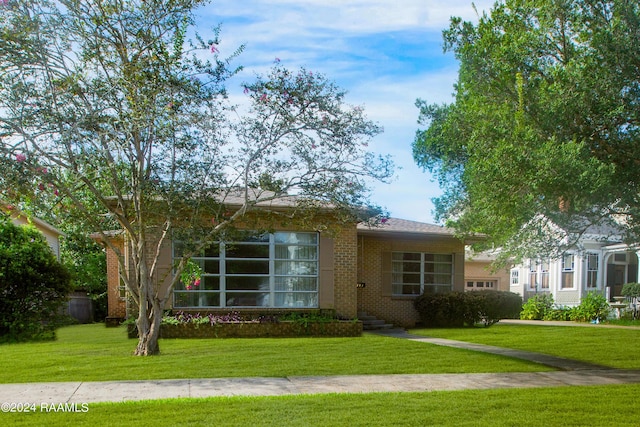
point(191, 275)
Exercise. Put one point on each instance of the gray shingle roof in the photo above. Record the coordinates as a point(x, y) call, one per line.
point(397, 225)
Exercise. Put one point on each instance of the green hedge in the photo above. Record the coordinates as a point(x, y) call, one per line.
point(33, 284)
point(458, 309)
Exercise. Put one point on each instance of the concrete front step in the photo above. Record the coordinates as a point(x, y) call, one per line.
point(372, 323)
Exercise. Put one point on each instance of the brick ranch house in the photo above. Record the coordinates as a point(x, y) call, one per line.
point(353, 269)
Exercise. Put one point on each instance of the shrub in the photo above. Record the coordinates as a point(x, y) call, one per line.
point(457, 309)
point(631, 290)
point(594, 306)
point(561, 313)
point(441, 310)
point(495, 305)
point(33, 284)
point(537, 307)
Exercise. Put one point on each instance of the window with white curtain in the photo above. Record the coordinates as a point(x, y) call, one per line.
point(269, 270)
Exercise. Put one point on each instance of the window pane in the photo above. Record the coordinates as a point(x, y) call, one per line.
point(410, 267)
point(247, 299)
point(254, 283)
point(293, 268)
point(210, 283)
point(297, 238)
point(411, 289)
point(247, 267)
point(296, 284)
point(296, 299)
point(406, 256)
point(447, 258)
point(296, 252)
point(196, 299)
point(211, 266)
point(253, 238)
point(567, 280)
point(441, 279)
point(238, 250)
point(212, 251)
point(411, 278)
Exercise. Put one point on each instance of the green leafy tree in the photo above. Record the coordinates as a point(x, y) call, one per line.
point(33, 284)
point(544, 126)
point(87, 264)
point(111, 112)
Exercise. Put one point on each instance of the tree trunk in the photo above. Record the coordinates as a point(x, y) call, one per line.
point(148, 334)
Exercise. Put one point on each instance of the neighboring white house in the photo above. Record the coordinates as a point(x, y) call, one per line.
point(50, 233)
point(600, 262)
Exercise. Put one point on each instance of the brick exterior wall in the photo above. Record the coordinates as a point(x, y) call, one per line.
point(356, 258)
point(345, 250)
point(398, 310)
point(343, 297)
point(117, 307)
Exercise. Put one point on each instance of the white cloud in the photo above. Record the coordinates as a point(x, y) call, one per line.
point(384, 53)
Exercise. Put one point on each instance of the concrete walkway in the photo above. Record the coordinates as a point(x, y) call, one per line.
point(571, 373)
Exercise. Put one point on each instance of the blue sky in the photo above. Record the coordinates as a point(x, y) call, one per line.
point(385, 53)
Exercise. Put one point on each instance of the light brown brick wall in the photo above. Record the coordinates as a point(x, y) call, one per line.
point(345, 251)
point(397, 310)
point(344, 299)
point(116, 305)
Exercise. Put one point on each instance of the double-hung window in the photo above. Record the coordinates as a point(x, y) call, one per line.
point(539, 274)
point(414, 273)
point(515, 276)
point(567, 271)
point(533, 274)
point(268, 270)
point(544, 274)
point(592, 270)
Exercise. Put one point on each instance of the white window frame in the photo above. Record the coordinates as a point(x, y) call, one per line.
point(515, 276)
point(567, 270)
point(592, 270)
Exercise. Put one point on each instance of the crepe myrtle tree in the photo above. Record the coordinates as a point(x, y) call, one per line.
point(109, 111)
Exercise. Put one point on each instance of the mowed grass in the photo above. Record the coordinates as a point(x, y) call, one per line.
point(617, 348)
point(96, 353)
point(563, 406)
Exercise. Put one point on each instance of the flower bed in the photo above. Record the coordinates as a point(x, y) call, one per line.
point(234, 325)
point(263, 330)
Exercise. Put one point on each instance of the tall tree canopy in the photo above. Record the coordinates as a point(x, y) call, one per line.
point(107, 107)
point(545, 124)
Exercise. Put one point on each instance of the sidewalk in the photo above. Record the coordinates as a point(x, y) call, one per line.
point(571, 373)
point(118, 391)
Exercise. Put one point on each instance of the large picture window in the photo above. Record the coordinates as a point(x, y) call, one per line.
point(414, 273)
point(269, 270)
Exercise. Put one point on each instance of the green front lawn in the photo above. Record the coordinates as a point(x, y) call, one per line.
point(97, 353)
point(618, 348)
point(563, 406)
